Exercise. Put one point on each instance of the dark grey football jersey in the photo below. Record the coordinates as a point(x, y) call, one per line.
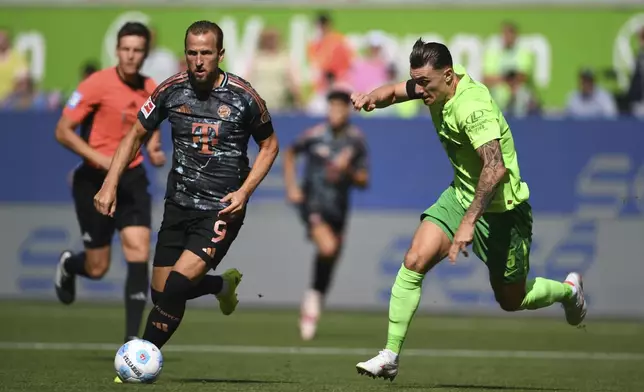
point(210, 136)
point(324, 192)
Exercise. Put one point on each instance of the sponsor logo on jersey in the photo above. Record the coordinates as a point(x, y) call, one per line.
point(147, 108)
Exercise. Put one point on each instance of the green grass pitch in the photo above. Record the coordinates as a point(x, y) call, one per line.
point(50, 347)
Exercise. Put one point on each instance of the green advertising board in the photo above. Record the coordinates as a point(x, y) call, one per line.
point(563, 40)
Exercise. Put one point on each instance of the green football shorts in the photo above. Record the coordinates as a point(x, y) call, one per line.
point(501, 240)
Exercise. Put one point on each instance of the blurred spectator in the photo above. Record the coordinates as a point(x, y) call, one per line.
point(25, 97)
point(590, 101)
point(510, 56)
point(636, 89)
point(317, 105)
point(161, 63)
point(514, 98)
point(372, 69)
point(272, 73)
point(12, 64)
point(328, 53)
point(183, 65)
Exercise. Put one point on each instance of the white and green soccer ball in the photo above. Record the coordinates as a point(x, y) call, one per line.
point(138, 361)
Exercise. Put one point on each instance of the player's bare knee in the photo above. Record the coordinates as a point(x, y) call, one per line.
point(508, 295)
point(328, 249)
point(97, 262)
point(509, 303)
point(191, 265)
point(96, 269)
point(414, 261)
point(137, 253)
point(136, 243)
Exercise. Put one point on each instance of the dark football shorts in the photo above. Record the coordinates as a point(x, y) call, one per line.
point(311, 215)
point(133, 204)
point(201, 232)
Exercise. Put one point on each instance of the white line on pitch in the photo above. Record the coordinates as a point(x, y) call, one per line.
point(437, 353)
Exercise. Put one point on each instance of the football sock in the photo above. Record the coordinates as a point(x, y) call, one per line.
point(541, 292)
point(166, 315)
point(136, 295)
point(322, 273)
point(209, 284)
point(405, 298)
point(75, 265)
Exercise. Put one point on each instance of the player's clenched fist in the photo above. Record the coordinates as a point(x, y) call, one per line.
point(105, 200)
point(363, 101)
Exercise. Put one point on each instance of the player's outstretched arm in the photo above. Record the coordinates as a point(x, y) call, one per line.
point(293, 191)
point(491, 176)
point(381, 97)
point(67, 136)
point(155, 152)
point(360, 175)
point(268, 150)
point(105, 199)
point(361, 178)
point(82, 103)
point(125, 153)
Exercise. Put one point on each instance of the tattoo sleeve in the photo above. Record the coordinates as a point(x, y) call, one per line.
point(491, 175)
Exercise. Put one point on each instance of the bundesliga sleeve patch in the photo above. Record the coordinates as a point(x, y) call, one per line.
point(74, 100)
point(147, 108)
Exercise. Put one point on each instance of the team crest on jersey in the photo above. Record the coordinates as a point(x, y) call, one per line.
point(223, 111)
point(147, 108)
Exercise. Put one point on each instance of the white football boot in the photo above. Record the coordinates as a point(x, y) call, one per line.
point(384, 365)
point(575, 307)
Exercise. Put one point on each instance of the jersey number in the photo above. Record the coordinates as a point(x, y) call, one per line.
point(206, 137)
point(220, 231)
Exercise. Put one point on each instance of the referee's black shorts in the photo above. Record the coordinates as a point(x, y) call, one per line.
point(133, 204)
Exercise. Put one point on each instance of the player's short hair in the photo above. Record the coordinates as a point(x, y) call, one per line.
point(324, 19)
point(510, 25)
point(339, 95)
point(134, 28)
point(202, 27)
point(430, 53)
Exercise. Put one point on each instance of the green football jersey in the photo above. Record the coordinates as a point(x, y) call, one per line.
point(468, 120)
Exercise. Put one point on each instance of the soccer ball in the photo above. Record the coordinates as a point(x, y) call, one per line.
point(138, 361)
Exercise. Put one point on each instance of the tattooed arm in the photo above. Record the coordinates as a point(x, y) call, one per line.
point(491, 175)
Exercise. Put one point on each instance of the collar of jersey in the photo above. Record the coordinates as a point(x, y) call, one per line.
point(225, 81)
point(464, 80)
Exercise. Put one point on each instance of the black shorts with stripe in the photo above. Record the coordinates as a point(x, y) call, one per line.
point(201, 232)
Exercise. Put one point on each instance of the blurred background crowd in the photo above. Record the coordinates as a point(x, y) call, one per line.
point(508, 71)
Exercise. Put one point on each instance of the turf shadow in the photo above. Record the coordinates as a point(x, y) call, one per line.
point(495, 387)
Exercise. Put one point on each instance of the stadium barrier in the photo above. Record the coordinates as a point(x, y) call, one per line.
point(587, 190)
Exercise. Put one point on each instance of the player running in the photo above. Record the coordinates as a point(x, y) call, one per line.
point(213, 115)
point(336, 161)
point(105, 106)
point(486, 204)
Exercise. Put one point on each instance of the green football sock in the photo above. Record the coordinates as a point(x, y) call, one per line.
point(541, 293)
point(405, 297)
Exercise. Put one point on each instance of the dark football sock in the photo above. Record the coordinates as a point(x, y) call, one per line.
point(166, 315)
point(136, 295)
point(322, 273)
point(209, 284)
point(75, 265)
